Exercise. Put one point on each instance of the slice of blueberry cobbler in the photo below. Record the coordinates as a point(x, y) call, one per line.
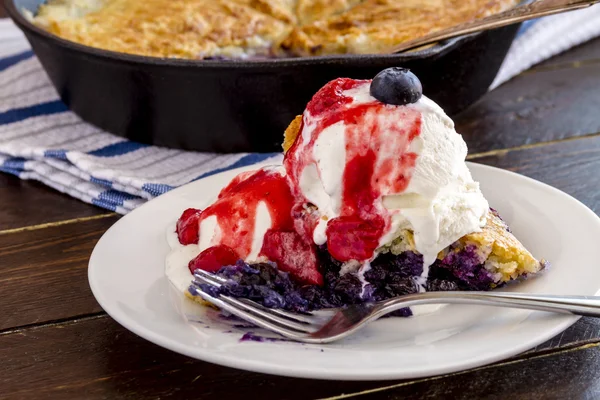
point(374, 200)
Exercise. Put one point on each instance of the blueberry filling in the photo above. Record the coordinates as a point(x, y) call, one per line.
point(390, 275)
point(466, 268)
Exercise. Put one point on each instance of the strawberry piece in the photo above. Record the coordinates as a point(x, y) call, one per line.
point(305, 221)
point(330, 97)
point(351, 238)
point(187, 226)
point(213, 258)
point(293, 255)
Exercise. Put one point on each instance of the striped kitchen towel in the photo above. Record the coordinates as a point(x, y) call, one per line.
point(41, 140)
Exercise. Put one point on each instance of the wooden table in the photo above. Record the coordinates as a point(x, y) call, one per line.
point(56, 342)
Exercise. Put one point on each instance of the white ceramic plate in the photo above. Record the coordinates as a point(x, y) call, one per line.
point(126, 274)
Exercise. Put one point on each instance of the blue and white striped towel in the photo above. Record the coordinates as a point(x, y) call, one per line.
point(41, 140)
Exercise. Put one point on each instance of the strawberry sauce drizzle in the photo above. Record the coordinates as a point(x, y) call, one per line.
point(237, 203)
point(378, 163)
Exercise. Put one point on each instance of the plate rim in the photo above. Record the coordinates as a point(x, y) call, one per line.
point(256, 365)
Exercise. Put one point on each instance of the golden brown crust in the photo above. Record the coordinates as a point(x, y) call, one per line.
point(240, 28)
point(375, 25)
point(199, 300)
point(291, 133)
point(167, 28)
point(495, 234)
point(507, 255)
point(309, 11)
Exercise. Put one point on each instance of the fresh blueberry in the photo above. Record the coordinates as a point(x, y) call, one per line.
point(440, 285)
point(396, 86)
point(349, 288)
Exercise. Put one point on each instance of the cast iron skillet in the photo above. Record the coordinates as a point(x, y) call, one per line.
point(235, 106)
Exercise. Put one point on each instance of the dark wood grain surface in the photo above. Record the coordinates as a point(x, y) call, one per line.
point(103, 360)
point(552, 102)
point(55, 341)
point(44, 272)
point(18, 211)
point(572, 166)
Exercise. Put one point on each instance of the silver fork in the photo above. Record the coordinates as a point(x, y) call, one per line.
point(331, 325)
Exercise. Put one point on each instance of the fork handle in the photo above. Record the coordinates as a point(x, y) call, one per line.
point(539, 8)
point(577, 305)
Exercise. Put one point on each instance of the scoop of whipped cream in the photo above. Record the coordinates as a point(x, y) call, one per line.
point(442, 202)
point(404, 165)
